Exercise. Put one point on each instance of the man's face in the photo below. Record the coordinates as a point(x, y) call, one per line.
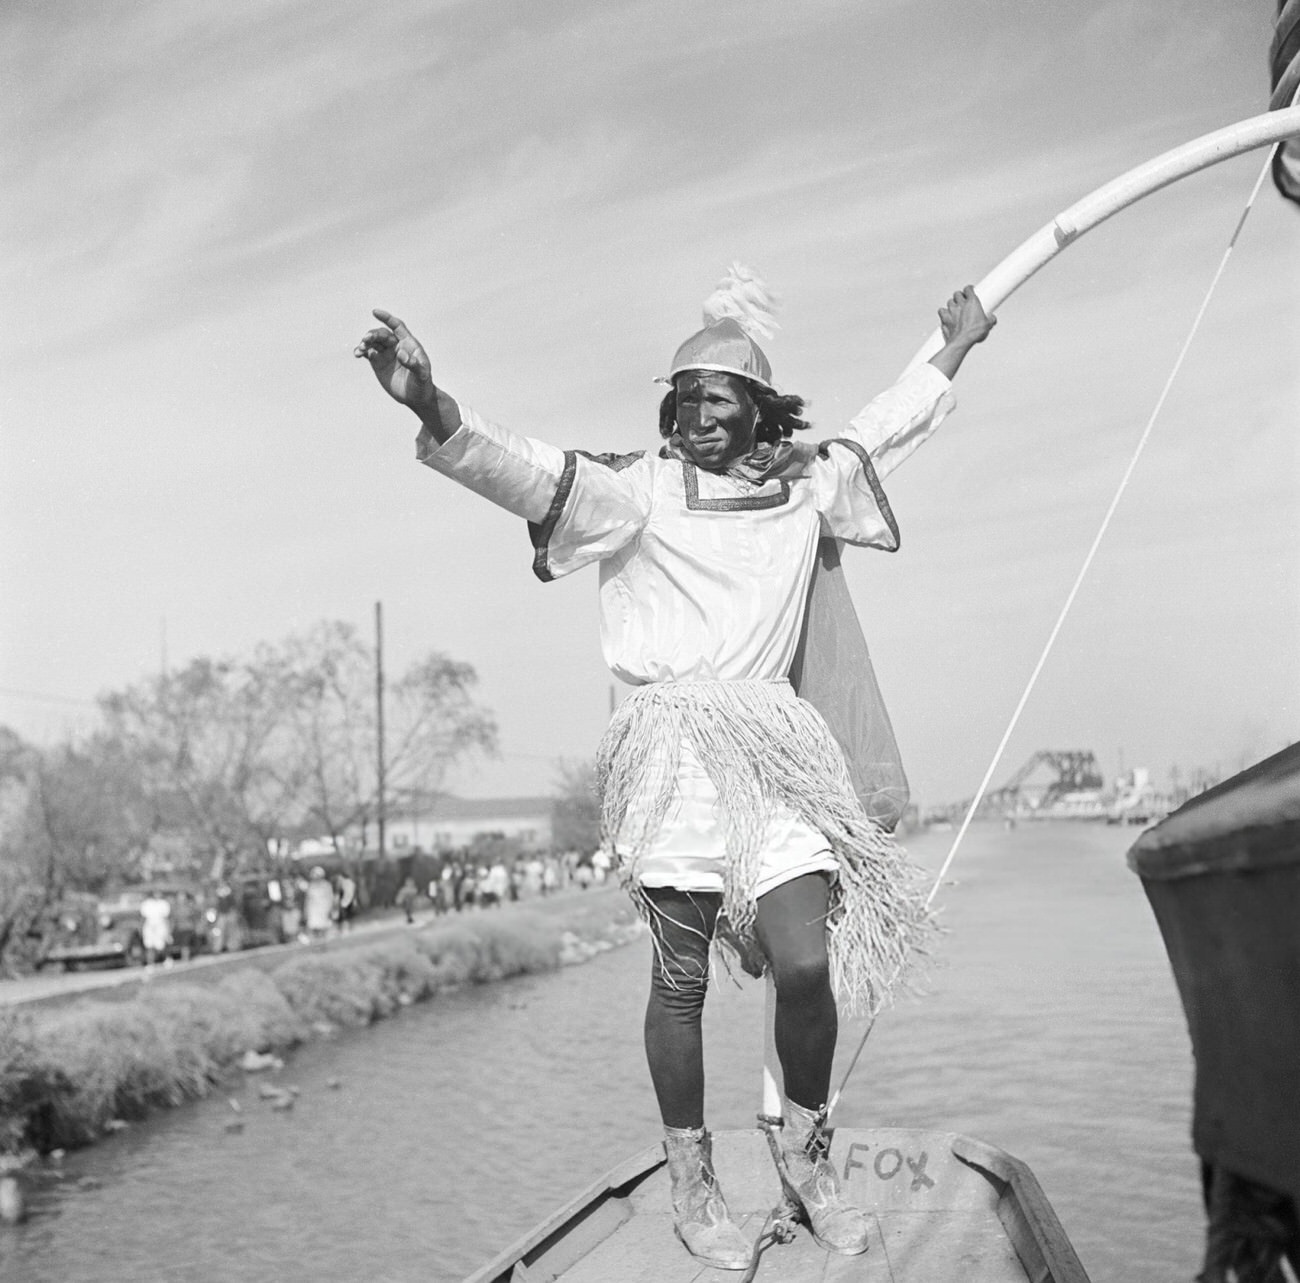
point(716, 420)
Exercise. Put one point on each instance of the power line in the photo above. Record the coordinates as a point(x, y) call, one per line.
point(49, 698)
point(532, 757)
point(46, 697)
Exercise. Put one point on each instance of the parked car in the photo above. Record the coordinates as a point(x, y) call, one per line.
point(248, 911)
point(73, 921)
point(117, 937)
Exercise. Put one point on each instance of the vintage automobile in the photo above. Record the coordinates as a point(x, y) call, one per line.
point(72, 920)
point(116, 935)
point(248, 911)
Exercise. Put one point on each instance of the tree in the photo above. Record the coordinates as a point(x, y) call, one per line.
point(575, 811)
point(22, 887)
point(225, 759)
point(89, 816)
point(213, 743)
point(431, 721)
point(73, 818)
point(243, 754)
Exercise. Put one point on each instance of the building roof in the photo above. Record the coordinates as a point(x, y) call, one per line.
point(448, 807)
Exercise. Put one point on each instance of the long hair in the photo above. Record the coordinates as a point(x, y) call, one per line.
point(779, 416)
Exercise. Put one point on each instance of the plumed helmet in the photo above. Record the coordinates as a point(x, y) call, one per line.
point(739, 309)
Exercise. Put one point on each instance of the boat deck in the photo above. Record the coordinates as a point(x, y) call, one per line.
point(943, 1207)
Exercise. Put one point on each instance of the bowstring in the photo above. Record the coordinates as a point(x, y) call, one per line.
point(973, 807)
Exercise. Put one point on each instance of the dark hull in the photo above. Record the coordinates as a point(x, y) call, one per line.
point(1223, 877)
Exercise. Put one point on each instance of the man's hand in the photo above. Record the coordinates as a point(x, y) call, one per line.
point(963, 323)
point(963, 320)
point(400, 364)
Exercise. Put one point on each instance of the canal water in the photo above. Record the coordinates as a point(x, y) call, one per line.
point(418, 1148)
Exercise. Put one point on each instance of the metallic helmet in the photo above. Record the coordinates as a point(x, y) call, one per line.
point(725, 347)
point(740, 308)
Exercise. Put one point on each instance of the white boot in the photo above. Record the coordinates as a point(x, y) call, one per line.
point(811, 1181)
point(700, 1214)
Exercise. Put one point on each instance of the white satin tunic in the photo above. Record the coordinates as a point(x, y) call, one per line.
point(702, 576)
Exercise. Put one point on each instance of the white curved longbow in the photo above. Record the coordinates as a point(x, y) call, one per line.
point(1129, 188)
point(1044, 245)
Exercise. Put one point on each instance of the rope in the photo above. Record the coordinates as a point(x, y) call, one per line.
point(778, 1228)
point(782, 1219)
point(1069, 601)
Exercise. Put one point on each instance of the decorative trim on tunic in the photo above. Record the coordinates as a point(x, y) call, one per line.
point(540, 532)
point(614, 462)
point(691, 483)
point(877, 490)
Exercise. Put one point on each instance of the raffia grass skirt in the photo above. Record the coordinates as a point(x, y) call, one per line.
point(764, 750)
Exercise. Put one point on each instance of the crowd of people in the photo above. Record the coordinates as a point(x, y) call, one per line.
point(463, 882)
point(320, 905)
point(283, 909)
point(326, 902)
point(161, 923)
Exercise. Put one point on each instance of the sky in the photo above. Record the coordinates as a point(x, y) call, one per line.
point(203, 202)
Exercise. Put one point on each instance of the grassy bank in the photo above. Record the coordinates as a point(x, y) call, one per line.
point(71, 1074)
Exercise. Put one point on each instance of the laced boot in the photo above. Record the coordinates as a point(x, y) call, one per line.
point(700, 1214)
point(810, 1179)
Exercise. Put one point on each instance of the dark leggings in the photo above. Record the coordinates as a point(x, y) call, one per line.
point(791, 929)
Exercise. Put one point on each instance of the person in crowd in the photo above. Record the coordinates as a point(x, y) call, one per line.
point(533, 873)
point(462, 885)
point(497, 883)
point(155, 926)
point(406, 896)
point(318, 904)
point(345, 900)
point(290, 911)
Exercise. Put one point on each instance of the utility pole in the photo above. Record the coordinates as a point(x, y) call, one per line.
point(379, 703)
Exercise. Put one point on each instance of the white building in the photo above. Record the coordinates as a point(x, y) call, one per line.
point(454, 822)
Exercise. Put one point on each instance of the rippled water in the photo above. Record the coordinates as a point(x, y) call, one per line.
point(1052, 1029)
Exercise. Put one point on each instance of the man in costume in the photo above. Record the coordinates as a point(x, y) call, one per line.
point(726, 798)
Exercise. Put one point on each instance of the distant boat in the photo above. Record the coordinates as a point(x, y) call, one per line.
point(944, 1207)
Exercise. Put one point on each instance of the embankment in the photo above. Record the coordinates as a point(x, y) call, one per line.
point(72, 1072)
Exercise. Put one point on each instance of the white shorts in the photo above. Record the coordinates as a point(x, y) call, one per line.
point(689, 852)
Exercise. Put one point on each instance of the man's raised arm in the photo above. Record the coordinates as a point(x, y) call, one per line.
point(581, 510)
point(402, 367)
point(963, 322)
point(896, 422)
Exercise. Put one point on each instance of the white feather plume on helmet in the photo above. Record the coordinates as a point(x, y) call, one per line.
point(743, 296)
point(738, 310)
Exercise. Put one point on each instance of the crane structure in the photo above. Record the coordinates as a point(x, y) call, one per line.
point(1072, 787)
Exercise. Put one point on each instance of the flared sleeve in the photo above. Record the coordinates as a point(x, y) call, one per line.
point(580, 508)
point(849, 468)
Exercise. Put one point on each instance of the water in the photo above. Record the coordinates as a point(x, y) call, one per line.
point(1052, 1029)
